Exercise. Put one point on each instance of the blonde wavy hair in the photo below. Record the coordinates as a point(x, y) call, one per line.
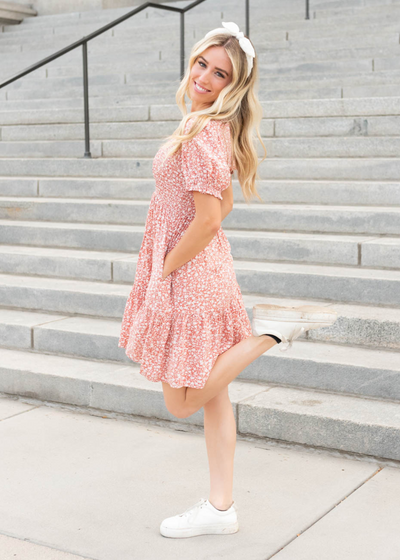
point(236, 103)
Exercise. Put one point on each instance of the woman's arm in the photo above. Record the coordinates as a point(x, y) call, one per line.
point(210, 211)
point(226, 202)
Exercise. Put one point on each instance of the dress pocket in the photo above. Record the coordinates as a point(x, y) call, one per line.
point(167, 278)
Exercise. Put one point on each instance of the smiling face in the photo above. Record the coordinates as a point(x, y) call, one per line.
point(211, 72)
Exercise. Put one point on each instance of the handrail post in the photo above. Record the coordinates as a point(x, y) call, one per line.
point(182, 28)
point(86, 99)
point(307, 9)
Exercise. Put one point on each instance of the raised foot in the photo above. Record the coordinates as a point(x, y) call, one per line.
point(288, 323)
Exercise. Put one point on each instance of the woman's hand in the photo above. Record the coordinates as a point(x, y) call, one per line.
point(165, 272)
point(197, 236)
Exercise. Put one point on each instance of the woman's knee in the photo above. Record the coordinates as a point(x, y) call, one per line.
point(174, 399)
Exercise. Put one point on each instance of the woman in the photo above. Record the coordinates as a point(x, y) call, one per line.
point(185, 321)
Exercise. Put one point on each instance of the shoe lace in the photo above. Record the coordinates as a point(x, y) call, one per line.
point(191, 509)
point(296, 334)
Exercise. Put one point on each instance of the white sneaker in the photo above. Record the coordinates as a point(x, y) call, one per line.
point(201, 519)
point(288, 323)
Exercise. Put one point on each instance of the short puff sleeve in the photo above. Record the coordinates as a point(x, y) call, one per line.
point(206, 159)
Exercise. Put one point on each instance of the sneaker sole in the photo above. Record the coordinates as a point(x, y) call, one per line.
point(302, 314)
point(195, 532)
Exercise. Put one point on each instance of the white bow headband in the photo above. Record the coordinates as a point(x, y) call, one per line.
point(233, 29)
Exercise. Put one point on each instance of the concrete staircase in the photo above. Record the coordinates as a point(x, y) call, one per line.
point(14, 13)
point(327, 233)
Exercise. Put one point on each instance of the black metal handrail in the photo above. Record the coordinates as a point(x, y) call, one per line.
point(84, 42)
point(113, 23)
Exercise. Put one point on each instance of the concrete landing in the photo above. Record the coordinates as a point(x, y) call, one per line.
point(79, 486)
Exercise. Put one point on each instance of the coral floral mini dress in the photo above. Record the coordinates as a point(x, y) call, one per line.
point(176, 327)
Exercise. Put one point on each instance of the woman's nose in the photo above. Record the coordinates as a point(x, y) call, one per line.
point(205, 77)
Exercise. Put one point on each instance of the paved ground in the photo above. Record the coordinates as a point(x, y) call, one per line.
point(78, 486)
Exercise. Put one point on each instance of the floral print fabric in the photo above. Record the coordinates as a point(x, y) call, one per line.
point(176, 327)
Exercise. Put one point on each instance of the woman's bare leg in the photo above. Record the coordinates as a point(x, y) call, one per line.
point(227, 366)
point(220, 435)
point(185, 401)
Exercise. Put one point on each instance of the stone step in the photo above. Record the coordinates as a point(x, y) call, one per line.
point(273, 55)
point(284, 109)
point(91, 16)
point(285, 147)
point(128, 130)
point(321, 282)
point(302, 146)
point(367, 9)
point(24, 59)
point(199, 25)
point(368, 91)
point(111, 56)
point(143, 130)
point(343, 193)
point(291, 70)
point(108, 14)
point(39, 99)
point(123, 95)
point(95, 16)
point(12, 14)
point(338, 169)
point(274, 90)
point(84, 28)
point(100, 17)
point(261, 217)
point(379, 44)
point(55, 84)
point(103, 85)
point(342, 422)
point(285, 57)
point(259, 246)
point(141, 93)
point(290, 14)
point(325, 168)
point(363, 251)
point(266, 39)
point(103, 16)
point(148, 76)
point(169, 70)
point(328, 283)
point(323, 419)
point(280, 61)
point(98, 299)
point(112, 114)
point(49, 149)
point(59, 263)
point(374, 372)
point(357, 325)
point(329, 92)
point(298, 88)
point(342, 28)
point(196, 27)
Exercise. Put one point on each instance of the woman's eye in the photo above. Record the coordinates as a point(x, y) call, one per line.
point(217, 72)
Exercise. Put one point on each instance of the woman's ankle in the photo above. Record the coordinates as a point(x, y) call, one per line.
point(221, 506)
point(277, 340)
